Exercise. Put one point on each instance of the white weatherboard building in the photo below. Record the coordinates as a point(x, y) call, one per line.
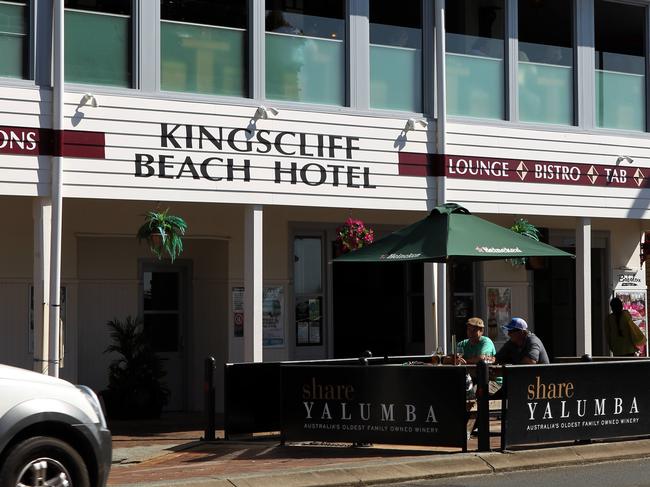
point(265, 124)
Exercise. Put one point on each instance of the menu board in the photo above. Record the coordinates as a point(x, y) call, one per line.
point(629, 287)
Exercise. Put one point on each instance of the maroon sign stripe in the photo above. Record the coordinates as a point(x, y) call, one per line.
point(415, 164)
point(524, 171)
point(45, 142)
point(90, 145)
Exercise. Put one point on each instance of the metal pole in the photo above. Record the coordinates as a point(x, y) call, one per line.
point(209, 393)
point(441, 128)
point(57, 184)
point(483, 405)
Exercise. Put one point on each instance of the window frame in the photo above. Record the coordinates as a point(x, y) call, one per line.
point(423, 77)
point(514, 59)
point(637, 3)
point(155, 79)
point(510, 27)
point(350, 56)
point(135, 55)
point(30, 65)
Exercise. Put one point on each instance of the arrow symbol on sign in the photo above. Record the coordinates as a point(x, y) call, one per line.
point(638, 177)
point(592, 174)
point(522, 170)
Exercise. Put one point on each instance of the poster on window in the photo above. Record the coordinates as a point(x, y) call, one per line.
point(309, 321)
point(273, 317)
point(635, 303)
point(499, 310)
point(238, 311)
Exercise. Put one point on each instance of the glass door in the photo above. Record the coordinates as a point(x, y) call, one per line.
point(309, 341)
point(163, 324)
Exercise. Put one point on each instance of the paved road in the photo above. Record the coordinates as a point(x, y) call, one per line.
point(630, 473)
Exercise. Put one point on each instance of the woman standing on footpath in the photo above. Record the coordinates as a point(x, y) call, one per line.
point(623, 336)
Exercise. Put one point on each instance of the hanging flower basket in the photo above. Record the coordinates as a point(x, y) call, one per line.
point(163, 232)
point(352, 235)
point(527, 229)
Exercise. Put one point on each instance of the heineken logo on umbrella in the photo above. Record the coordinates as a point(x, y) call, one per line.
point(400, 256)
point(500, 250)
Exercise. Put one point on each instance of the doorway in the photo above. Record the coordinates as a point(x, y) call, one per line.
point(163, 307)
point(378, 307)
point(555, 304)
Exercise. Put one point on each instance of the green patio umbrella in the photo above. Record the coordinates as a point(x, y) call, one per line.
point(451, 232)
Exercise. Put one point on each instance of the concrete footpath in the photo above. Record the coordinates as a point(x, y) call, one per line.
point(178, 459)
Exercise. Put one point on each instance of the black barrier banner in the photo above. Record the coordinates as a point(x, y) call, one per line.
point(395, 404)
point(548, 403)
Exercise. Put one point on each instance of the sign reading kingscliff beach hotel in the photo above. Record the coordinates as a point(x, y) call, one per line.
point(247, 144)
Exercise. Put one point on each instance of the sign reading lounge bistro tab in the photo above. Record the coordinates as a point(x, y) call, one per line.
point(380, 404)
point(545, 172)
point(569, 402)
point(523, 171)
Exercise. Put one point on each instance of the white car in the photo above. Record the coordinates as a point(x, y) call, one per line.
point(52, 433)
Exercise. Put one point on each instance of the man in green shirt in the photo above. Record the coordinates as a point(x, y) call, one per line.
point(476, 346)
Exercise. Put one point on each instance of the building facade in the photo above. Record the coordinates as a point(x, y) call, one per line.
point(265, 124)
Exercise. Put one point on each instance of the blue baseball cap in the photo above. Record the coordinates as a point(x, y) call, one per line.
point(515, 324)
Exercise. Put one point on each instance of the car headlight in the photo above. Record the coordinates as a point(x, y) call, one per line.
point(94, 402)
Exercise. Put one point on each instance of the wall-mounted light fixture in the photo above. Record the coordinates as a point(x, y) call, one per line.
point(90, 99)
point(620, 159)
point(263, 112)
point(412, 122)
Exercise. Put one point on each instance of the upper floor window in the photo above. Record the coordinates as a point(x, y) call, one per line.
point(620, 65)
point(98, 42)
point(14, 38)
point(396, 55)
point(546, 61)
point(203, 46)
point(305, 51)
point(475, 58)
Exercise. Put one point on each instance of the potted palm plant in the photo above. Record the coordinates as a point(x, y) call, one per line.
point(135, 381)
point(527, 229)
point(163, 232)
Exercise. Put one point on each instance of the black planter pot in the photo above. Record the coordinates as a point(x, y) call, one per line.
point(144, 403)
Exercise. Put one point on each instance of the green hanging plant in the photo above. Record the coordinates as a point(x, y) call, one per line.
point(524, 227)
point(163, 233)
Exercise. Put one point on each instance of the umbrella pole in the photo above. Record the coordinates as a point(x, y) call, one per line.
point(442, 303)
point(449, 322)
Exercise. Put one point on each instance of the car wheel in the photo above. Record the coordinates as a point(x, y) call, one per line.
point(43, 461)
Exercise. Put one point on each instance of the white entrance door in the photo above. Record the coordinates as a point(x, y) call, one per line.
point(163, 322)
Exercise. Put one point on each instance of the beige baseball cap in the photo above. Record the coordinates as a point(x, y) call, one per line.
point(477, 322)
